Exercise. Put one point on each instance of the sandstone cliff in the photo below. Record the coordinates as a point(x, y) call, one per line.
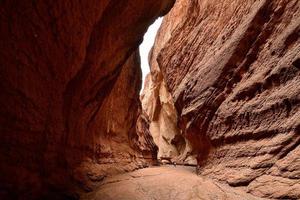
point(224, 86)
point(68, 100)
point(158, 104)
point(232, 68)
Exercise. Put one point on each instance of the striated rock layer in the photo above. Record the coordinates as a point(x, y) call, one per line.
point(69, 82)
point(232, 68)
point(158, 104)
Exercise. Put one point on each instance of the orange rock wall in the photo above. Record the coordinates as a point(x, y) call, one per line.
point(232, 68)
point(62, 65)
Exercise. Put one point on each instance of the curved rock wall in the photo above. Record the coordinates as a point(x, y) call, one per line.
point(232, 68)
point(62, 65)
point(158, 104)
point(113, 130)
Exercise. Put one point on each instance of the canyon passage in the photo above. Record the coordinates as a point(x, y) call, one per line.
point(218, 116)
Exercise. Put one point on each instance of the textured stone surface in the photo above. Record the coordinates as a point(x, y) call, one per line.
point(145, 143)
point(158, 104)
point(68, 101)
point(118, 146)
point(164, 183)
point(232, 68)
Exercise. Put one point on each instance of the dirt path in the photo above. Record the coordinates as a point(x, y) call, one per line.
point(165, 183)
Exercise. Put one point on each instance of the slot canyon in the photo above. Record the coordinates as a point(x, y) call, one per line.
point(218, 116)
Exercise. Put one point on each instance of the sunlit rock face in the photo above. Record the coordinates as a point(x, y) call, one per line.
point(158, 104)
point(232, 68)
point(69, 92)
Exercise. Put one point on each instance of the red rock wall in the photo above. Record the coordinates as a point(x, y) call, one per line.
point(232, 68)
point(158, 104)
point(112, 130)
point(62, 64)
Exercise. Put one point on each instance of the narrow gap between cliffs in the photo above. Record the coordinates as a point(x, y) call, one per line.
point(146, 46)
point(158, 111)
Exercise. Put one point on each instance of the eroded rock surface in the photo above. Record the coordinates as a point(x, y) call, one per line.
point(164, 183)
point(69, 82)
point(118, 146)
point(159, 108)
point(232, 68)
point(158, 104)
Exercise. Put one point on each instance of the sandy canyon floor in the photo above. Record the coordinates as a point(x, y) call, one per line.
point(165, 183)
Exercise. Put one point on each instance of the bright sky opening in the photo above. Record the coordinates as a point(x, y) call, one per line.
point(145, 47)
